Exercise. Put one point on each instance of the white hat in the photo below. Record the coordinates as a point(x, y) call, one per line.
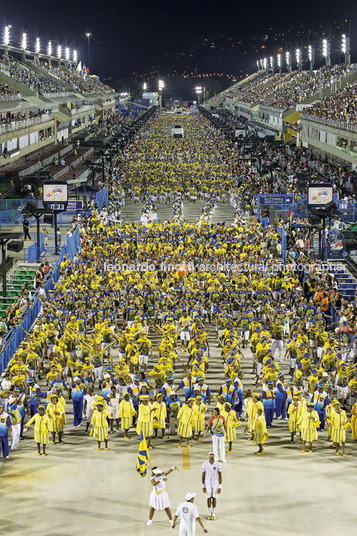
point(106, 376)
point(156, 471)
point(189, 496)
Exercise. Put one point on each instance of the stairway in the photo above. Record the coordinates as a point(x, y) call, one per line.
point(346, 282)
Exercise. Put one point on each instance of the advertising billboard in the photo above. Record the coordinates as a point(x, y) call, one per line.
point(319, 195)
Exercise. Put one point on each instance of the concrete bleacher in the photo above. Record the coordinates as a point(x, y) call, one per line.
point(74, 164)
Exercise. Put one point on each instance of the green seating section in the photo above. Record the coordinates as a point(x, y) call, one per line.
point(15, 283)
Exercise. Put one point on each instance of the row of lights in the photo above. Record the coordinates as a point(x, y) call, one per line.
point(161, 85)
point(326, 52)
point(62, 53)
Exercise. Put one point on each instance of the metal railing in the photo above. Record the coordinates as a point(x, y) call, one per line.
point(342, 125)
point(19, 125)
point(10, 98)
point(51, 95)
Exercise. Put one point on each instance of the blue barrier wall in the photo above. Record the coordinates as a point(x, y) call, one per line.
point(15, 336)
point(282, 203)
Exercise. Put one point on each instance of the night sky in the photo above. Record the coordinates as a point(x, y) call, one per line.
point(139, 35)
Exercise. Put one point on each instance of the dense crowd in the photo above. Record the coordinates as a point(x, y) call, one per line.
point(288, 89)
point(8, 117)
point(30, 77)
point(6, 90)
point(340, 106)
point(182, 281)
point(77, 81)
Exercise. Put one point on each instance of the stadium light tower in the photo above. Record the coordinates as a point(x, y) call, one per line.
point(311, 55)
point(49, 48)
point(88, 36)
point(326, 51)
point(145, 86)
point(59, 52)
point(278, 61)
point(67, 53)
point(258, 65)
point(265, 64)
point(7, 35)
point(75, 56)
point(346, 48)
point(271, 63)
point(288, 60)
point(38, 45)
point(161, 88)
point(198, 90)
point(298, 58)
point(24, 41)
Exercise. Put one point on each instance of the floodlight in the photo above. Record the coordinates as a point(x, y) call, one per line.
point(24, 41)
point(7, 35)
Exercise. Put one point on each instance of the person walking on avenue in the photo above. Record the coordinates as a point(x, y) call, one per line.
point(211, 483)
point(188, 513)
point(26, 227)
point(217, 427)
point(159, 498)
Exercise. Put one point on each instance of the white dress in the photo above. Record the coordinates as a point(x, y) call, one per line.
point(159, 499)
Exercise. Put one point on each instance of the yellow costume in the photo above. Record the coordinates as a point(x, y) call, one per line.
point(159, 414)
point(294, 413)
point(260, 430)
point(144, 423)
point(231, 422)
point(185, 417)
point(126, 414)
point(198, 423)
point(41, 427)
point(338, 422)
point(100, 424)
point(56, 416)
point(354, 421)
point(309, 423)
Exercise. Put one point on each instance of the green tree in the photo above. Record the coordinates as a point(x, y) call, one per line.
point(212, 87)
point(128, 85)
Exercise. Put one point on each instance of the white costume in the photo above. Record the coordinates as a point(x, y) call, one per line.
point(211, 471)
point(159, 498)
point(188, 513)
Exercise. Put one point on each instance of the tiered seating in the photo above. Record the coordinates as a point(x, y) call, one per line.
point(15, 283)
point(341, 106)
point(37, 82)
point(288, 89)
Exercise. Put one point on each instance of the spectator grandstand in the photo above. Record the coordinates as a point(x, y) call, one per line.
point(341, 106)
point(285, 90)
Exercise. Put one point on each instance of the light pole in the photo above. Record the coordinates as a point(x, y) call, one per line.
point(346, 48)
point(298, 59)
point(88, 36)
point(326, 52)
point(311, 53)
point(161, 89)
point(198, 90)
point(278, 61)
point(271, 63)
